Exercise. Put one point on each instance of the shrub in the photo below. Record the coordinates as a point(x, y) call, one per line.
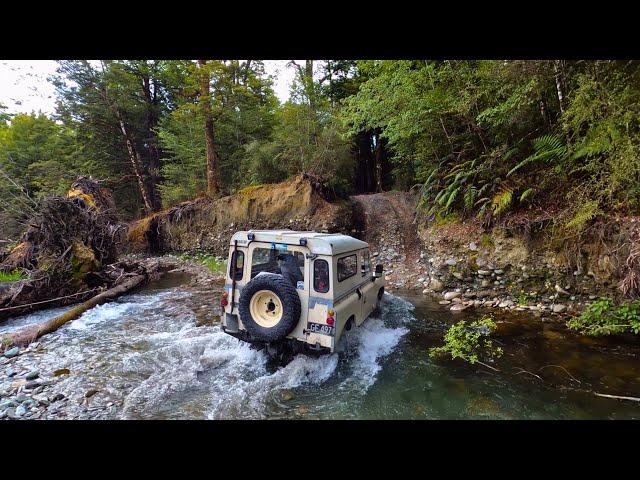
point(603, 317)
point(470, 343)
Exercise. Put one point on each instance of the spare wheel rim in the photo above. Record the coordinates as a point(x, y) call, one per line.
point(266, 308)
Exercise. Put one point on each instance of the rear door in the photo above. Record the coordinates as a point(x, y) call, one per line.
point(265, 258)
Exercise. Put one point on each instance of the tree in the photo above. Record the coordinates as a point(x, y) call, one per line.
point(212, 159)
point(115, 107)
point(242, 108)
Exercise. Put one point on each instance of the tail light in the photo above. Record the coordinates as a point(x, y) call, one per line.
point(224, 300)
point(330, 317)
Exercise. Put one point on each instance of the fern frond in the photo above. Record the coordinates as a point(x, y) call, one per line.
point(526, 194)
point(470, 197)
point(588, 211)
point(546, 148)
point(502, 200)
point(452, 197)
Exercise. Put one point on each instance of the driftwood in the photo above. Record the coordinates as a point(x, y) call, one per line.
point(29, 334)
point(617, 397)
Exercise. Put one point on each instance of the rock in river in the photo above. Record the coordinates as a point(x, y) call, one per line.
point(436, 285)
point(451, 295)
point(458, 307)
point(559, 308)
point(12, 352)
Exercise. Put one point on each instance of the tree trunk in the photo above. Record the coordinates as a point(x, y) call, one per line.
point(363, 151)
point(308, 79)
point(29, 334)
point(213, 188)
point(134, 157)
point(152, 140)
point(378, 162)
point(558, 74)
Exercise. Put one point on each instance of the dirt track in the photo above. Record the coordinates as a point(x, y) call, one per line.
point(388, 223)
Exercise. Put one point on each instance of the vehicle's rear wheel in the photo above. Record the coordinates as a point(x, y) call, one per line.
point(269, 308)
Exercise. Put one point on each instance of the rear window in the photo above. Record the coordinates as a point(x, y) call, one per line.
point(321, 276)
point(236, 268)
point(347, 267)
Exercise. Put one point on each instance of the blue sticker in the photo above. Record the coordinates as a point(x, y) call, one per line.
point(280, 246)
point(300, 285)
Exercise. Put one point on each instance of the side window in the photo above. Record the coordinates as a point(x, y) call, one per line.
point(236, 268)
point(365, 262)
point(321, 276)
point(347, 267)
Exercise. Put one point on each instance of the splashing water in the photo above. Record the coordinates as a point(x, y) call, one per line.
point(145, 354)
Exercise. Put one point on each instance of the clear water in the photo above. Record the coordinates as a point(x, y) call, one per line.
point(145, 354)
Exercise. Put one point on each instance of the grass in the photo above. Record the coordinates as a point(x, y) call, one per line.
point(213, 263)
point(444, 220)
point(10, 276)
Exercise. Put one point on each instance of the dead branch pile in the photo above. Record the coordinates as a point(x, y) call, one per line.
point(65, 248)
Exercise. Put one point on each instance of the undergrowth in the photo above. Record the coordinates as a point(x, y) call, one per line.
point(213, 263)
point(604, 317)
point(13, 276)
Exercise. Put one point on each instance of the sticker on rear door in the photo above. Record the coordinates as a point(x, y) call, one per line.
point(320, 328)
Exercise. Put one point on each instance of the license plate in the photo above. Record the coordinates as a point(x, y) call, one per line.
point(320, 328)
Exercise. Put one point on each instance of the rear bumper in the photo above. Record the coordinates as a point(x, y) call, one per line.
point(290, 344)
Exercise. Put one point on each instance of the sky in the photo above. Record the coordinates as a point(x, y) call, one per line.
point(24, 87)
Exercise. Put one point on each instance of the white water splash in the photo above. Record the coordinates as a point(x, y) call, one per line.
point(149, 352)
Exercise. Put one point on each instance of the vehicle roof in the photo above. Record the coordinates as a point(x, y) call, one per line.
point(320, 243)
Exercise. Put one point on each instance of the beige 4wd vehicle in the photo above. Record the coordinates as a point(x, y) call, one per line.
point(295, 292)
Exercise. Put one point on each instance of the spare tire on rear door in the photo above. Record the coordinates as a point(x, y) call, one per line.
point(269, 307)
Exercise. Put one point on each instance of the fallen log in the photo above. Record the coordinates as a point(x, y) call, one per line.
point(30, 334)
point(617, 397)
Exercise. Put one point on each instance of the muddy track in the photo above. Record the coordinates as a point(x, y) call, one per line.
point(386, 221)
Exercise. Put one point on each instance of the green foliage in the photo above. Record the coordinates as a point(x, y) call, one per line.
point(484, 138)
point(11, 276)
point(213, 263)
point(586, 212)
point(523, 298)
point(546, 149)
point(603, 317)
point(470, 343)
point(465, 127)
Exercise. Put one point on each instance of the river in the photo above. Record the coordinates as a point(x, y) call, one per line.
point(145, 357)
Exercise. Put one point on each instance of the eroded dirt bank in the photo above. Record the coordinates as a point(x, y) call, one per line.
point(204, 224)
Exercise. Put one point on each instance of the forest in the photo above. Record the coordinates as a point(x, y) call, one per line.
point(480, 139)
point(494, 269)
